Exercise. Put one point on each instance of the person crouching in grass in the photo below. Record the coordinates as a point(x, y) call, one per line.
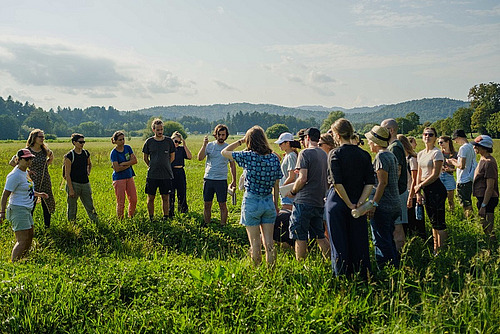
point(20, 188)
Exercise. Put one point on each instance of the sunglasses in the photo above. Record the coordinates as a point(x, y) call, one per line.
point(441, 142)
point(428, 134)
point(41, 137)
point(81, 141)
point(177, 141)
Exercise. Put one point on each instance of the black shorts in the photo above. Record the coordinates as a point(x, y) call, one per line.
point(490, 207)
point(165, 186)
point(218, 187)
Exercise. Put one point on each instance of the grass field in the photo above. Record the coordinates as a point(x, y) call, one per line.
point(135, 275)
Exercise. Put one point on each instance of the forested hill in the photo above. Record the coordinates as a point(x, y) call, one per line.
point(220, 111)
point(431, 109)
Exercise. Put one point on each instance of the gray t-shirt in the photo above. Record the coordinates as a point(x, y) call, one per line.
point(288, 164)
point(159, 157)
point(315, 161)
point(216, 165)
point(390, 201)
point(398, 150)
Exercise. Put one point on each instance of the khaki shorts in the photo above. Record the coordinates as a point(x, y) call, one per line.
point(20, 217)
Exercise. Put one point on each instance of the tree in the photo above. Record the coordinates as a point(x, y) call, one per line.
point(493, 126)
point(444, 126)
point(332, 117)
point(169, 127)
point(462, 119)
point(90, 129)
point(275, 130)
point(9, 127)
point(486, 96)
point(413, 118)
point(479, 120)
point(39, 119)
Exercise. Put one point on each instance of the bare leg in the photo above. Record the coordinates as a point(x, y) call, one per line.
point(468, 212)
point(223, 213)
point(399, 236)
point(300, 249)
point(23, 244)
point(324, 246)
point(435, 239)
point(165, 204)
point(488, 223)
point(442, 235)
point(267, 233)
point(253, 233)
point(207, 212)
point(151, 205)
point(451, 200)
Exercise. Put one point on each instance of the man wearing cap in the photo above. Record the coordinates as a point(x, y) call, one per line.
point(20, 191)
point(308, 192)
point(465, 164)
point(396, 147)
point(485, 186)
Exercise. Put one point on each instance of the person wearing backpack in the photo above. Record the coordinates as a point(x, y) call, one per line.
point(76, 170)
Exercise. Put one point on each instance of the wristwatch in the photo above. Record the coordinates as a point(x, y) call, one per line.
point(292, 193)
point(375, 204)
point(483, 205)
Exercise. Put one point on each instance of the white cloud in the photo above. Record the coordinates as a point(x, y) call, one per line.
point(225, 86)
point(220, 10)
point(495, 11)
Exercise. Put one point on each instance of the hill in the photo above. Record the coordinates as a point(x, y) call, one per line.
point(429, 109)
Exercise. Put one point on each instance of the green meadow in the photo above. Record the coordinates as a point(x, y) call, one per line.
point(137, 275)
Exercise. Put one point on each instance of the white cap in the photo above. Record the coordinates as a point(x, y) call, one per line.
point(285, 136)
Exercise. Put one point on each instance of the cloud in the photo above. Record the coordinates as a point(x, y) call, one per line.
point(295, 78)
point(57, 65)
point(495, 11)
point(225, 86)
point(317, 77)
point(220, 10)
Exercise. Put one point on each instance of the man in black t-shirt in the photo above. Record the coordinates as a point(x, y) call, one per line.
point(159, 152)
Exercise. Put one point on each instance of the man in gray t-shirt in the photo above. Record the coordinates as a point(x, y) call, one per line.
point(309, 192)
point(159, 152)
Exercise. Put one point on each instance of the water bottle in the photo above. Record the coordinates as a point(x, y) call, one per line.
point(232, 193)
point(361, 210)
point(419, 211)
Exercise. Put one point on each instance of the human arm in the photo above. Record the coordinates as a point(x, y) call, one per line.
point(13, 161)
point(50, 157)
point(202, 153)
point(436, 170)
point(89, 165)
point(490, 185)
point(42, 195)
point(3, 203)
point(172, 157)
point(383, 180)
point(189, 156)
point(409, 202)
point(145, 156)
point(300, 182)
point(67, 176)
point(339, 188)
point(276, 193)
point(459, 163)
point(290, 178)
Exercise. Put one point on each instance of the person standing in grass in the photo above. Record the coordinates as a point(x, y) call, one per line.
point(158, 153)
point(350, 172)
point(414, 226)
point(215, 178)
point(465, 164)
point(259, 206)
point(430, 163)
point(77, 167)
point(179, 183)
point(386, 200)
point(123, 158)
point(20, 192)
point(289, 145)
point(39, 171)
point(308, 195)
point(446, 175)
point(485, 187)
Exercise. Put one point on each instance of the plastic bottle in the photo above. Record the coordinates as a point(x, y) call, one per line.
point(361, 210)
point(419, 212)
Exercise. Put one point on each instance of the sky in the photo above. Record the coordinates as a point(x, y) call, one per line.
point(136, 54)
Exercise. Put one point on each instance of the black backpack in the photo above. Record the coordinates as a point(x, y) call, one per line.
point(72, 152)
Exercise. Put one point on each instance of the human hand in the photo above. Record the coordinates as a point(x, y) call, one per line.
point(409, 203)
point(482, 212)
point(71, 193)
point(370, 213)
point(420, 199)
point(43, 195)
point(205, 140)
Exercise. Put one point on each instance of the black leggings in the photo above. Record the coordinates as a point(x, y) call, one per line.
point(435, 198)
point(414, 226)
point(46, 213)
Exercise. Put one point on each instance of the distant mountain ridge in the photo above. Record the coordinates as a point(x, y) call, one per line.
point(429, 109)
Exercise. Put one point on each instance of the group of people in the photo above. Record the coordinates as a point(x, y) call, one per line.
point(324, 192)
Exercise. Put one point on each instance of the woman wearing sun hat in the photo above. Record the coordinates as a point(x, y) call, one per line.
point(20, 191)
point(430, 163)
point(485, 186)
point(386, 202)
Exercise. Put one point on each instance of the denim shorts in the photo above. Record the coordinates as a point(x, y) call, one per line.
point(286, 200)
point(257, 209)
point(20, 217)
point(306, 222)
point(448, 181)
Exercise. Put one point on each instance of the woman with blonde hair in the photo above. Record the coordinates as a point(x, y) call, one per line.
point(259, 206)
point(39, 172)
point(179, 182)
point(123, 158)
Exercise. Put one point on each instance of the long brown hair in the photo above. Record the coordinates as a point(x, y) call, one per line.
point(343, 128)
point(448, 140)
point(407, 145)
point(257, 141)
point(32, 138)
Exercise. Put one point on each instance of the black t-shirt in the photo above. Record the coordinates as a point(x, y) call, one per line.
point(352, 167)
point(79, 166)
point(180, 155)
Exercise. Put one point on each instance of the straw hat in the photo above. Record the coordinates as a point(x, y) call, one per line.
point(379, 135)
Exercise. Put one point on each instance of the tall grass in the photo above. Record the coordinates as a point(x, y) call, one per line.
point(136, 275)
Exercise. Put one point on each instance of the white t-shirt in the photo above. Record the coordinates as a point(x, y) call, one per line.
point(426, 162)
point(21, 187)
point(467, 174)
point(287, 165)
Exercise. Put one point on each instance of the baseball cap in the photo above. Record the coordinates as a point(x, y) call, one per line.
point(24, 153)
point(484, 141)
point(285, 136)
